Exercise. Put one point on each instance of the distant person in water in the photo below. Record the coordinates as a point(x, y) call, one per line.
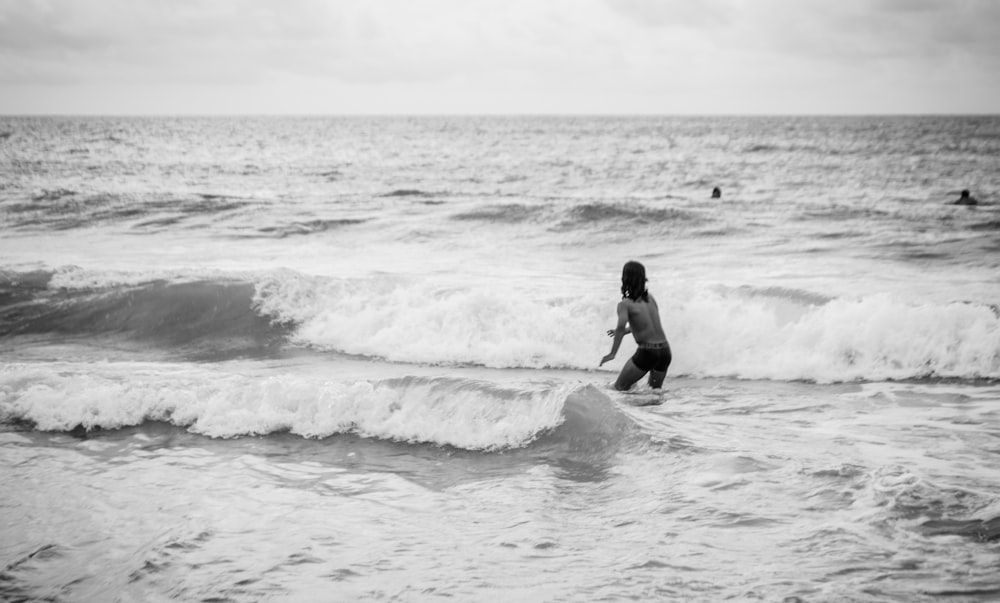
point(639, 315)
point(716, 193)
point(966, 199)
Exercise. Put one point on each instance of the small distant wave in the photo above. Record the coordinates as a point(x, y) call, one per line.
point(408, 192)
point(63, 209)
point(761, 148)
point(462, 413)
point(792, 147)
point(599, 215)
point(844, 213)
point(511, 213)
point(309, 227)
point(53, 195)
point(331, 175)
point(612, 215)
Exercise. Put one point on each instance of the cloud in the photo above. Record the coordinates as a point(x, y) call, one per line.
point(705, 14)
point(497, 55)
point(141, 41)
point(231, 42)
point(861, 30)
point(443, 39)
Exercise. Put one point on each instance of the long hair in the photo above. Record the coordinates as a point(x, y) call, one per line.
point(634, 281)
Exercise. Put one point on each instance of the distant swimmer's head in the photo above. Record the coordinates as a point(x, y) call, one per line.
point(966, 199)
point(634, 281)
point(716, 193)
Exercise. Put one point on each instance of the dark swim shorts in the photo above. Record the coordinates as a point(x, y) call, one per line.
point(652, 356)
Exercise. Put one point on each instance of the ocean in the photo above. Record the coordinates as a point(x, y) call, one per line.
point(356, 359)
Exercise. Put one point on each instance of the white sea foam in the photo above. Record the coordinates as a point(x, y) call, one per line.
point(871, 338)
point(457, 412)
point(421, 320)
point(713, 331)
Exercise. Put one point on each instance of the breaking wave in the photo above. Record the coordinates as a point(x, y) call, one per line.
point(462, 413)
point(753, 333)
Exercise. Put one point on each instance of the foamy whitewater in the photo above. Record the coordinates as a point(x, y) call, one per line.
point(337, 359)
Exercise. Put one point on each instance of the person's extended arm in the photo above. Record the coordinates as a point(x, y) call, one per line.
point(619, 332)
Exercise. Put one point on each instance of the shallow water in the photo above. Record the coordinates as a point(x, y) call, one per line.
point(355, 359)
point(733, 490)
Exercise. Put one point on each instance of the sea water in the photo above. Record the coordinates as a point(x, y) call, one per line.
point(333, 359)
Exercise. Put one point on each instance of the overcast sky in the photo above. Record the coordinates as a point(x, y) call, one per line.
point(499, 56)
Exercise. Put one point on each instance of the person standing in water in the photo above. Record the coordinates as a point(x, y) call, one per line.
point(639, 315)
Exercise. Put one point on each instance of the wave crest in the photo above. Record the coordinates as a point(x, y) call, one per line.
point(205, 318)
point(744, 332)
point(463, 413)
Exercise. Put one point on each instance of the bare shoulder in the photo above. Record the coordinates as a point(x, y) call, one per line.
point(626, 304)
point(622, 311)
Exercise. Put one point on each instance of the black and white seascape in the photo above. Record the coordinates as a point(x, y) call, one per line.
point(355, 357)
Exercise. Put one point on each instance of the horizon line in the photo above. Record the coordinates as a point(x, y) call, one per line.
point(499, 114)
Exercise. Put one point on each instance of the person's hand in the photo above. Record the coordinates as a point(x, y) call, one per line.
point(606, 358)
point(611, 332)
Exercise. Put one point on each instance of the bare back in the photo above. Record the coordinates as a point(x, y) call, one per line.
point(644, 319)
